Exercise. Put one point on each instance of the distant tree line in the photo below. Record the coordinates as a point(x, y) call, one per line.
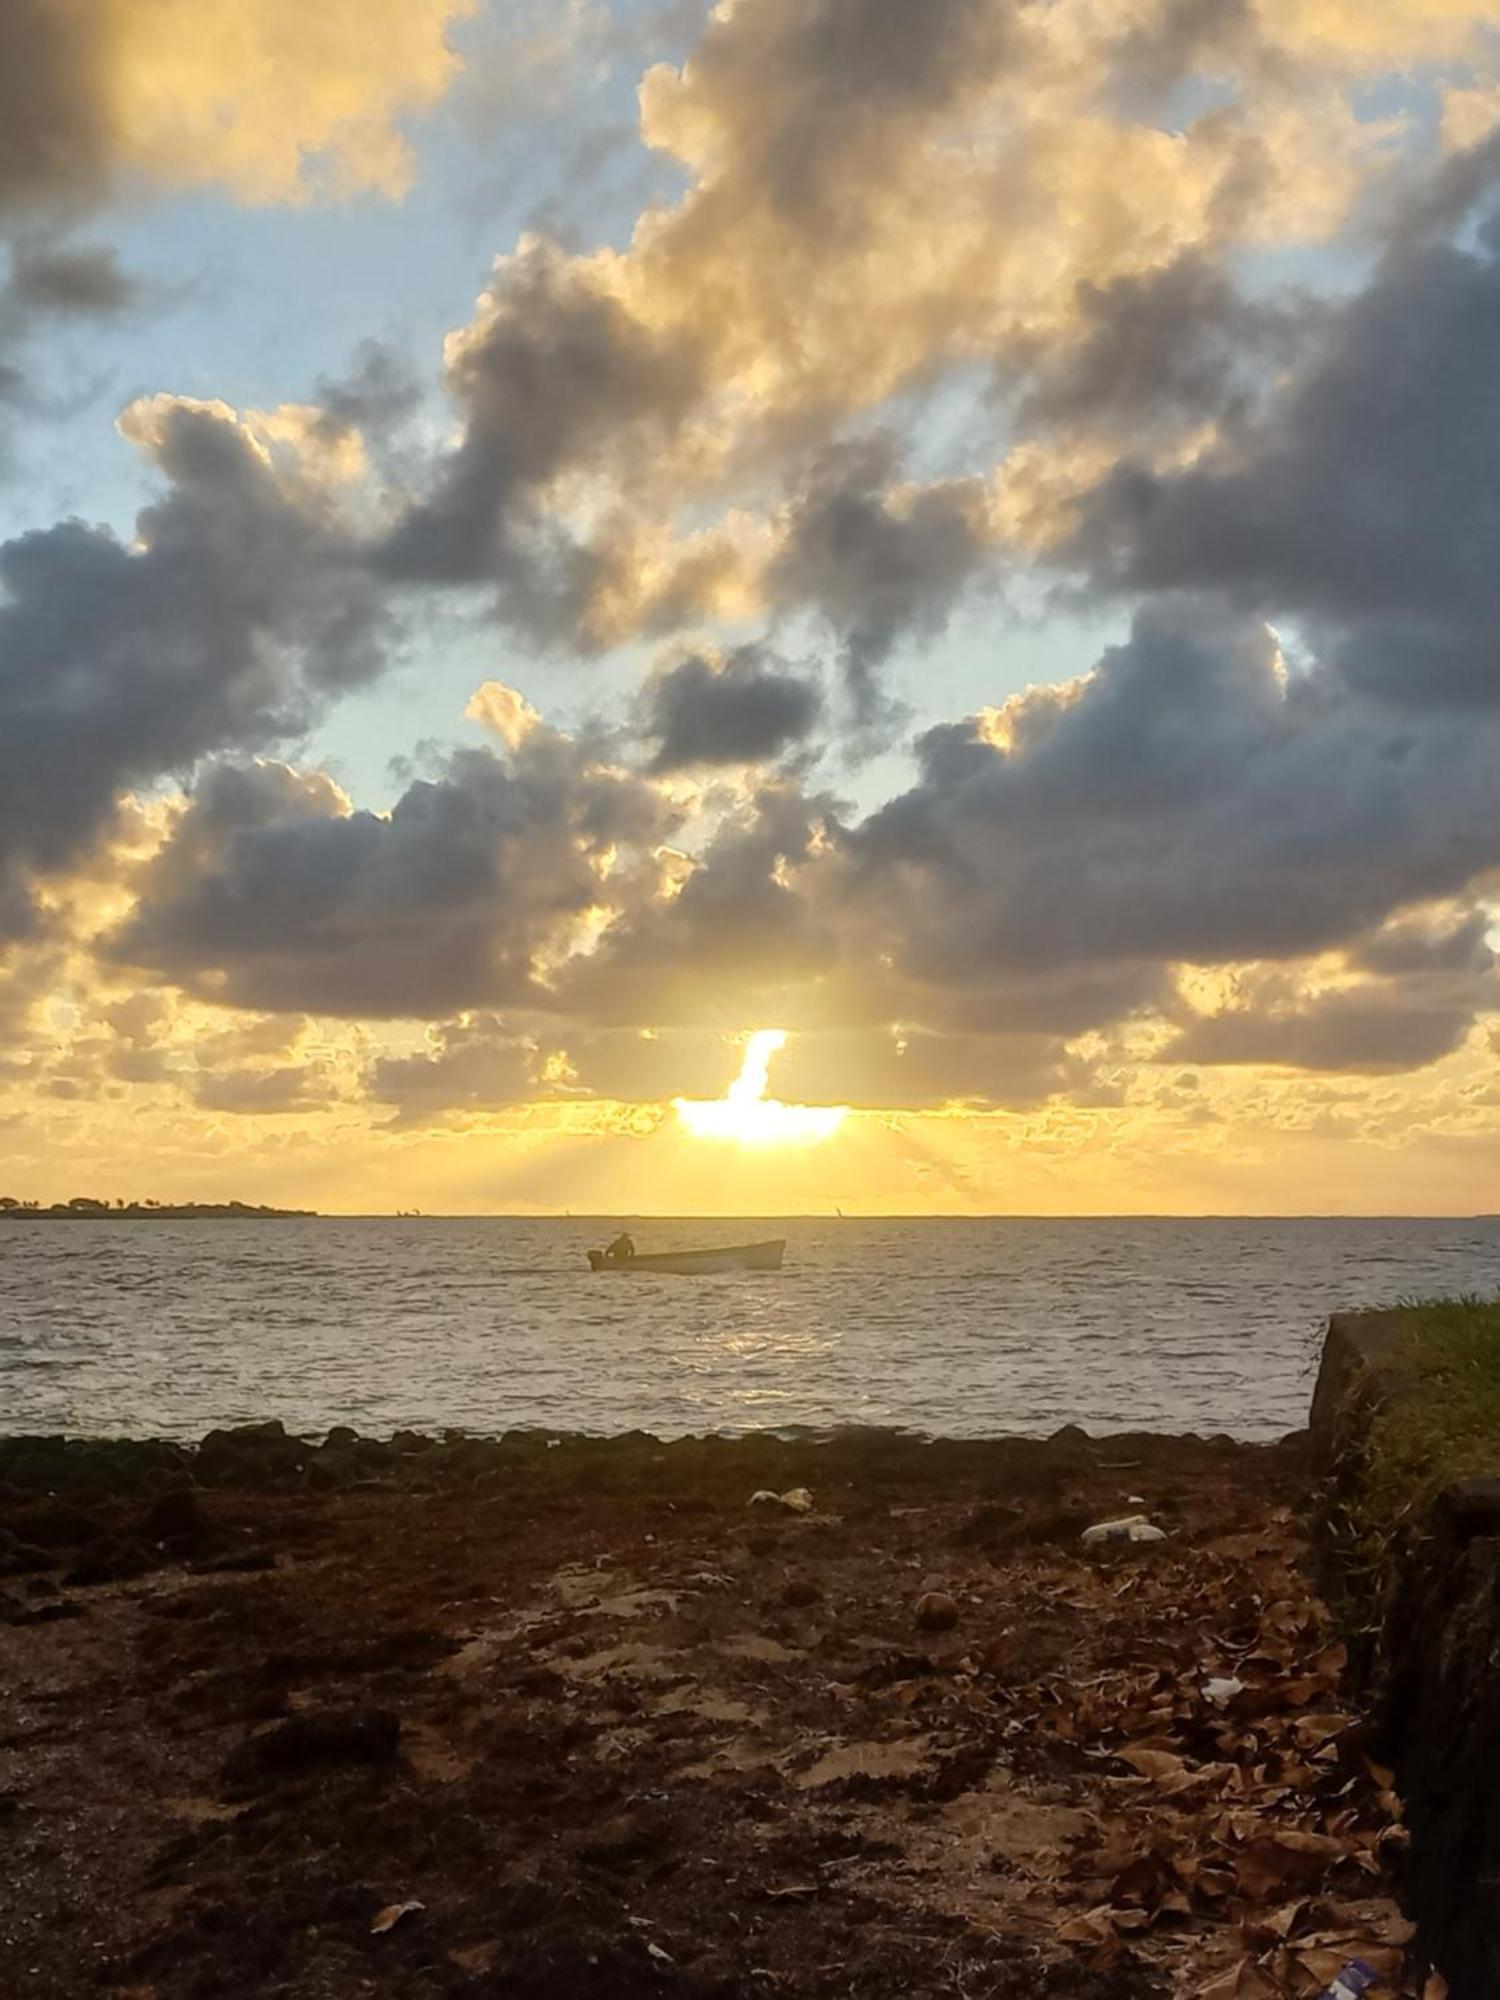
point(83, 1207)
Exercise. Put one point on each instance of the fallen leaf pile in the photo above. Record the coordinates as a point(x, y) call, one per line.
point(1250, 1836)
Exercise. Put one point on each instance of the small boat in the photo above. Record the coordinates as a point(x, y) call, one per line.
point(697, 1263)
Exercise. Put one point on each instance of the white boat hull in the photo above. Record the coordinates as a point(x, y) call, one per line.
point(696, 1263)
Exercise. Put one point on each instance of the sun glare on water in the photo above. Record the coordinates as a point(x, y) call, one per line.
point(750, 1118)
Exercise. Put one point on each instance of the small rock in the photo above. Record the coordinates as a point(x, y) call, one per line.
point(108, 1560)
point(18, 1558)
point(47, 1614)
point(762, 1545)
point(175, 1516)
point(237, 1562)
point(800, 1591)
point(936, 1611)
point(342, 1435)
point(53, 1524)
point(250, 1455)
point(333, 1468)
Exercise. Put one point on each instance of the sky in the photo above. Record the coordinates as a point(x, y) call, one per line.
point(924, 577)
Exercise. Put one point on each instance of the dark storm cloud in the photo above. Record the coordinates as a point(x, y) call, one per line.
point(1185, 802)
point(1178, 345)
point(555, 376)
point(271, 895)
point(1363, 500)
point(879, 568)
point(228, 623)
point(745, 710)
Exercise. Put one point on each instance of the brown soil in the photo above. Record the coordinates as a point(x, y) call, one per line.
point(611, 1730)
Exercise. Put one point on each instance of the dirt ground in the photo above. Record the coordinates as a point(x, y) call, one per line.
point(579, 1718)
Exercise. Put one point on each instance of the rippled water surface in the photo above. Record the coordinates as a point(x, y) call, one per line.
point(953, 1327)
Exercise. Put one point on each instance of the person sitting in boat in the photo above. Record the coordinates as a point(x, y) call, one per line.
point(622, 1249)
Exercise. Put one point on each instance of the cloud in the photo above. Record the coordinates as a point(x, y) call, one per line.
point(1364, 1032)
point(49, 279)
point(260, 1093)
point(554, 375)
point(500, 708)
point(486, 1063)
point(240, 607)
point(1188, 800)
point(1445, 941)
point(880, 564)
point(1360, 501)
point(1169, 348)
point(475, 1064)
point(266, 99)
point(885, 1068)
point(1055, 865)
point(936, 279)
point(53, 118)
point(48, 285)
point(879, 199)
point(745, 709)
point(272, 893)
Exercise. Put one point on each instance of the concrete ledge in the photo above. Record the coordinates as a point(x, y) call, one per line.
point(1355, 1378)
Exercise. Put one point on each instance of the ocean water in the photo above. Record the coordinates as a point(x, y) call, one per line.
point(956, 1328)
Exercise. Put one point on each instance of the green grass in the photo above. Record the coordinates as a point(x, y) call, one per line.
point(1447, 1425)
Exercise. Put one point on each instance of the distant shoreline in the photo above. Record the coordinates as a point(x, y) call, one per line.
point(186, 1211)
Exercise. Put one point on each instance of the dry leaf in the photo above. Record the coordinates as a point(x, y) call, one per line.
point(392, 1915)
point(1093, 1927)
point(1152, 1763)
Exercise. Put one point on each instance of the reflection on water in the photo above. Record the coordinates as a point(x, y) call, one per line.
point(960, 1328)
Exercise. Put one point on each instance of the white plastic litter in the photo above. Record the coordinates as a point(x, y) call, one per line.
point(797, 1501)
point(1133, 1528)
point(1223, 1688)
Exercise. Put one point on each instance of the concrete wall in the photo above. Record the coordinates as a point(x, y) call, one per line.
point(1428, 1617)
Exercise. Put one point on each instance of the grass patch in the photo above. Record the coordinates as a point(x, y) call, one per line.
point(1446, 1424)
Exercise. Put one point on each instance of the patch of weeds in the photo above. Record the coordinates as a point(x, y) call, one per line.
point(1445, 1425)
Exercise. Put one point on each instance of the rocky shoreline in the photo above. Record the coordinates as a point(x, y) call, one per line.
point(542, 1715)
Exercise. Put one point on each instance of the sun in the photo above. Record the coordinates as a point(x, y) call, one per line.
point(748, 1117)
